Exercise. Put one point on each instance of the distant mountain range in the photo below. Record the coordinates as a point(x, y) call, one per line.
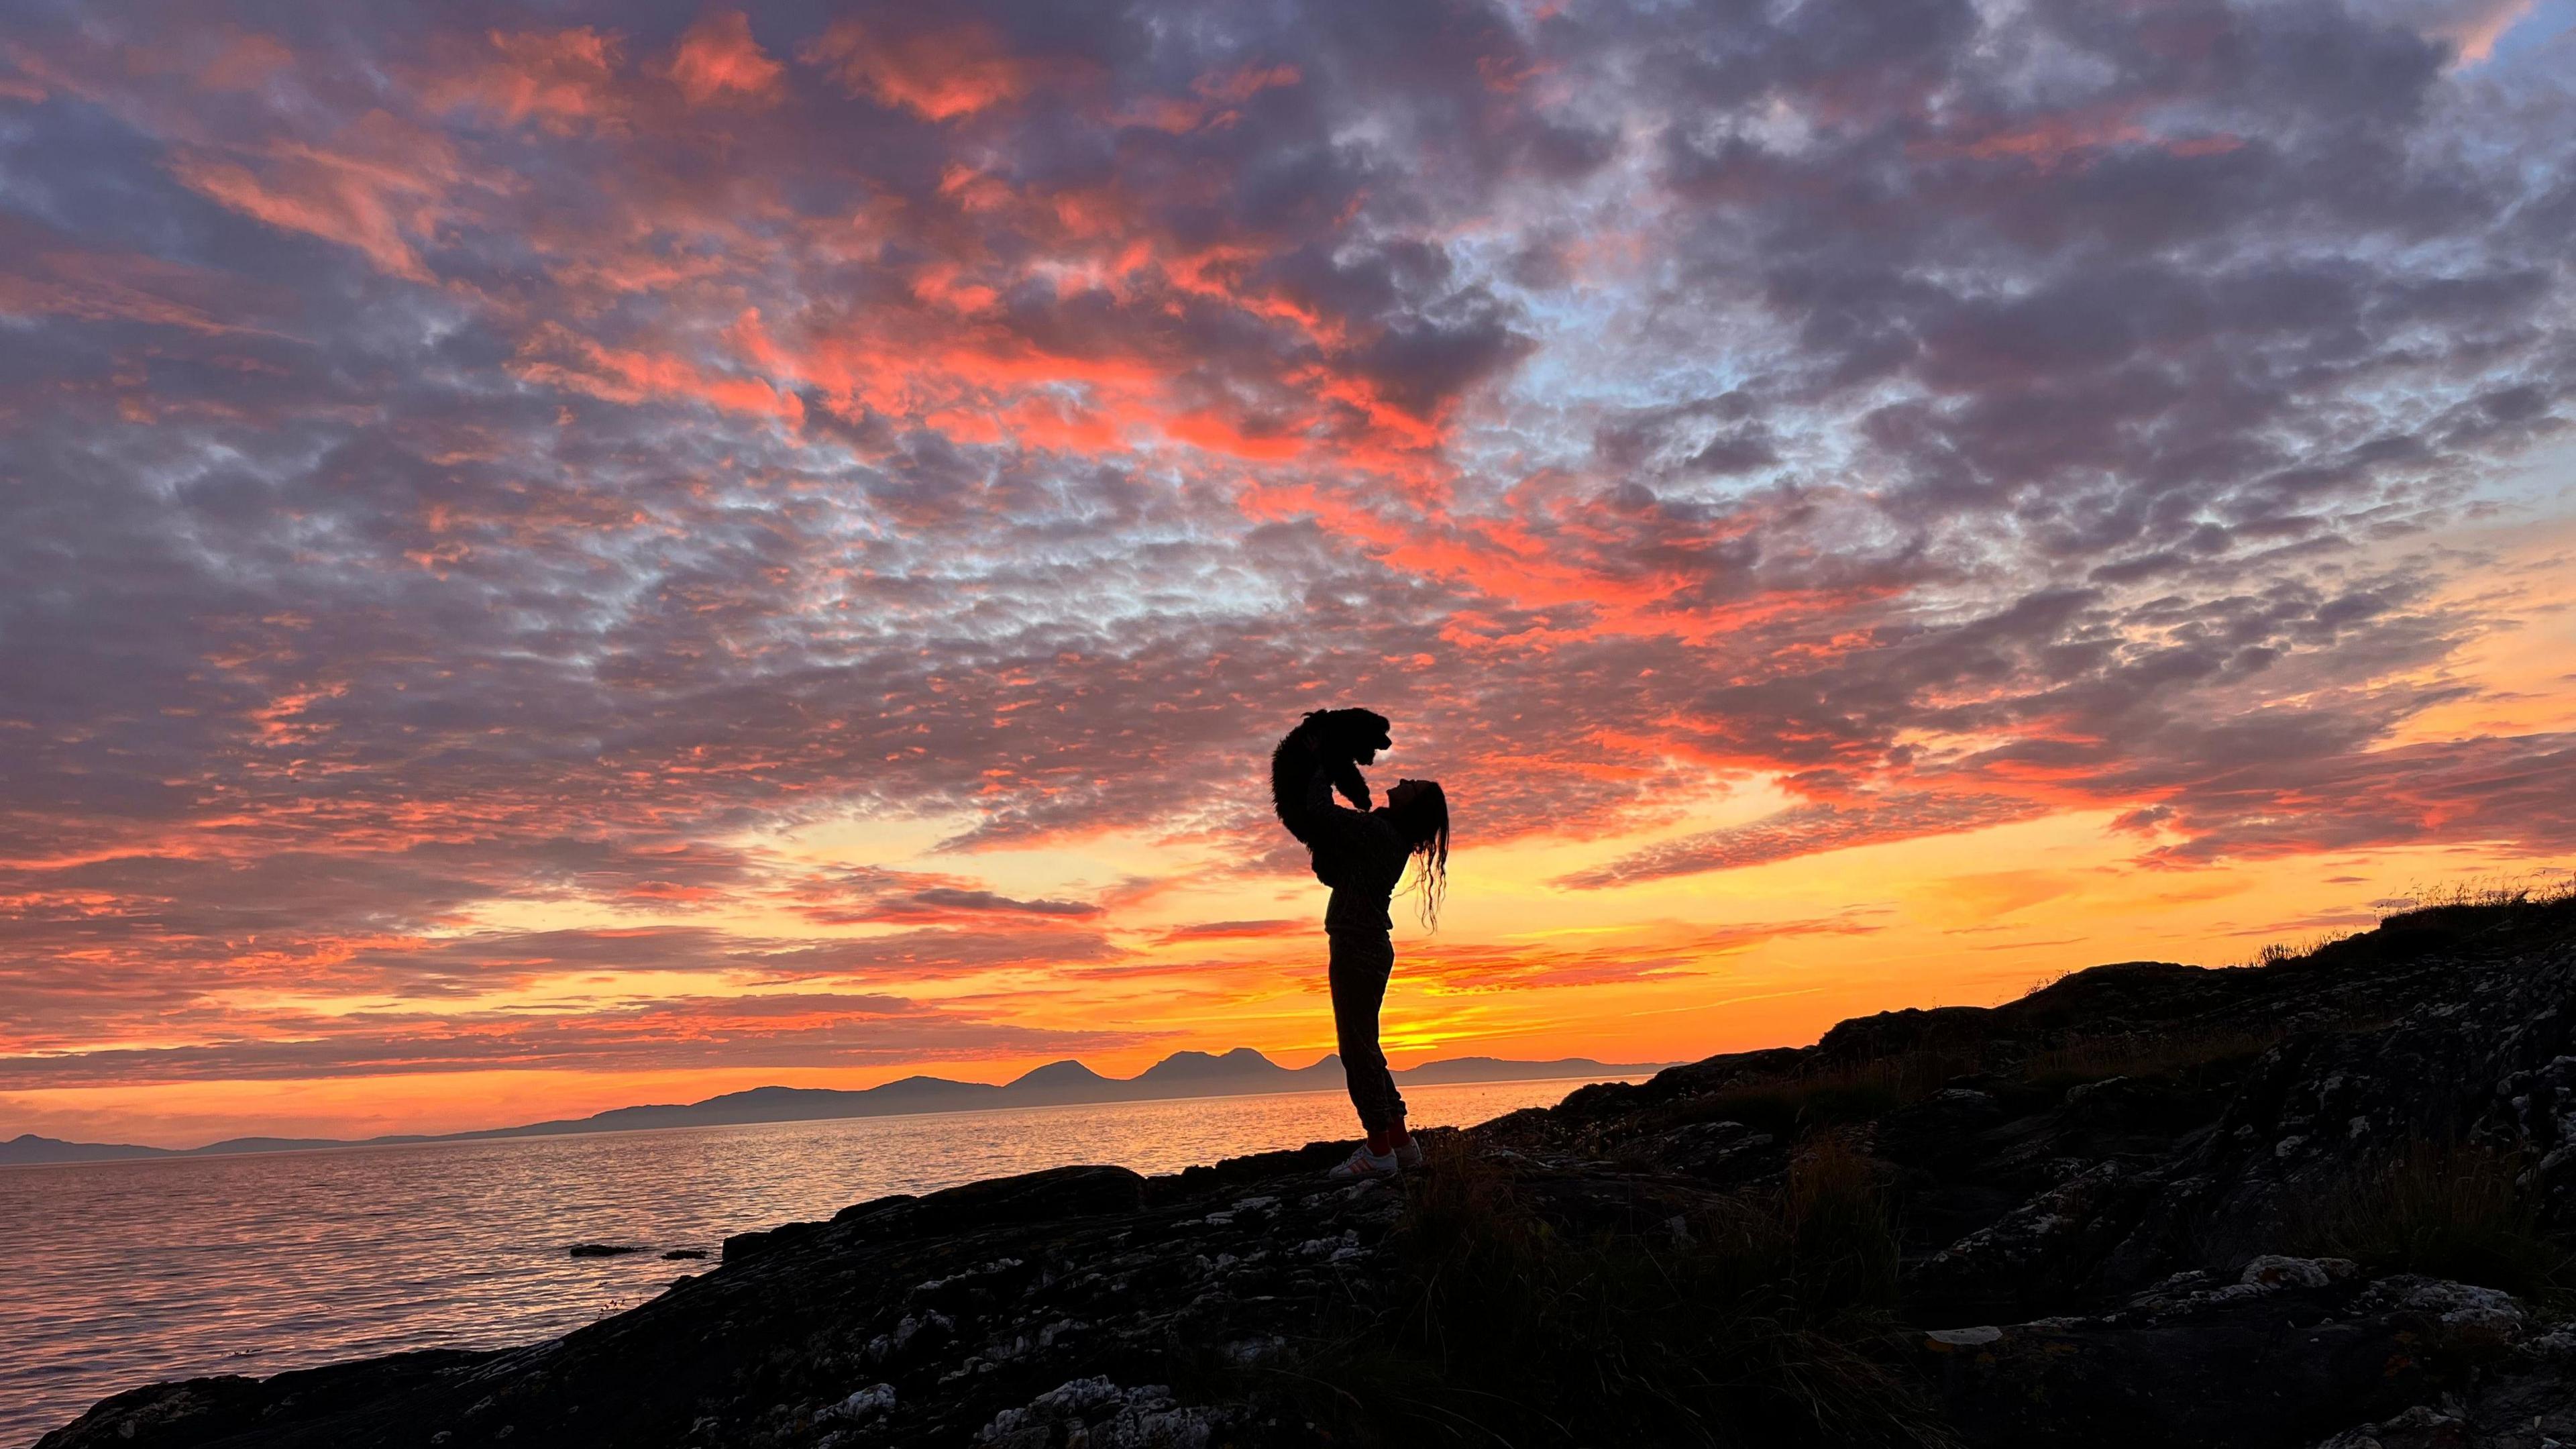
point(1240, 1072)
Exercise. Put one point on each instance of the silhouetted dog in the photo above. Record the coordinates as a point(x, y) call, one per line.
point(1340, 739)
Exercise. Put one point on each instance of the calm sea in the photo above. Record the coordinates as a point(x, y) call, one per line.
point(121, 1273)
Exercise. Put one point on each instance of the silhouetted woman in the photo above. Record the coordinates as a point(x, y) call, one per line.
point(1362, 854)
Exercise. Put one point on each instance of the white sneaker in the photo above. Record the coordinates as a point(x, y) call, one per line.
point(1408, 1154)
point(1363, 1165)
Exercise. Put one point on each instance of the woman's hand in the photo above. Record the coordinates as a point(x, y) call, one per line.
point(1353, 785)
point(1332, 744)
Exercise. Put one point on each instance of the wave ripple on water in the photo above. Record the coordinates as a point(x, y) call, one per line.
point(129, 1272)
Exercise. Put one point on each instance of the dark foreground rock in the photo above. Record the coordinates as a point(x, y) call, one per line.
point(2324, 1202)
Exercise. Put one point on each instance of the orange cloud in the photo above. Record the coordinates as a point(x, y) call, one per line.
point(1444, 968)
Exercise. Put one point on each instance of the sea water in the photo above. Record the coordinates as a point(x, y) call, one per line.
point(124, 1273)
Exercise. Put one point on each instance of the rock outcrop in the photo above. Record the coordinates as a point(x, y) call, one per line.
point(2321, 1202)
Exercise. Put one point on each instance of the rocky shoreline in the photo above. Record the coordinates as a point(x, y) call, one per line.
point(2321, 1202)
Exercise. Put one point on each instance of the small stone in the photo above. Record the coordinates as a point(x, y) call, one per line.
point(2274, 1270)
point(873, 1402)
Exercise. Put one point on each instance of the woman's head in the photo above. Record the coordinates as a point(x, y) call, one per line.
point(1421, 815)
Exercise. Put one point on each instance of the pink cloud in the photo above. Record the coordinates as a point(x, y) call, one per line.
point(719, 63)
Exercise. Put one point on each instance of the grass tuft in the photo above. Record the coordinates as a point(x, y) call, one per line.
point(2447, 1210)
point(1828, 1097)
point(2188, 1058)
point(2489, 893)
point(1754, 1322)
point(2273, 953)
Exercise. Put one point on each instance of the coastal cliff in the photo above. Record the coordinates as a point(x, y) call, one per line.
point(2324, 1201)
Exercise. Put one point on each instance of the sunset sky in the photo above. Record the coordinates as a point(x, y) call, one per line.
point(562, 555)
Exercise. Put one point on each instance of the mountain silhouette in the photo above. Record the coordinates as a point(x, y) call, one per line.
point(1058, 1076)
point(1202, 1067)
point(1240, 1072)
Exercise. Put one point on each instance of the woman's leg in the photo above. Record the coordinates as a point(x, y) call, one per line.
point(1361, 963)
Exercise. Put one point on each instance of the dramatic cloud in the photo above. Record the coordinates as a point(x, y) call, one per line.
point(1803, 829)
point(1519, 966)
point(481, 492)
point(786, 1030)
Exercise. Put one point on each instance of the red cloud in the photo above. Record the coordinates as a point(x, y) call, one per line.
point(940, 74)
point(564, 80)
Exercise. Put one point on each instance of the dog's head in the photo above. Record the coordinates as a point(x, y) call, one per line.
point(1359, 733)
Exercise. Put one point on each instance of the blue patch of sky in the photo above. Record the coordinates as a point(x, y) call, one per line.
point(2548, 28)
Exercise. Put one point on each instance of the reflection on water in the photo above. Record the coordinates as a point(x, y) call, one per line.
point(127, 1272)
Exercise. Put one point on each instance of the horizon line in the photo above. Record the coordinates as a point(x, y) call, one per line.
point(527, 1129)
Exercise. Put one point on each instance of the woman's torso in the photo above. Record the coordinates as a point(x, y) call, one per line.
point(1363, 861)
